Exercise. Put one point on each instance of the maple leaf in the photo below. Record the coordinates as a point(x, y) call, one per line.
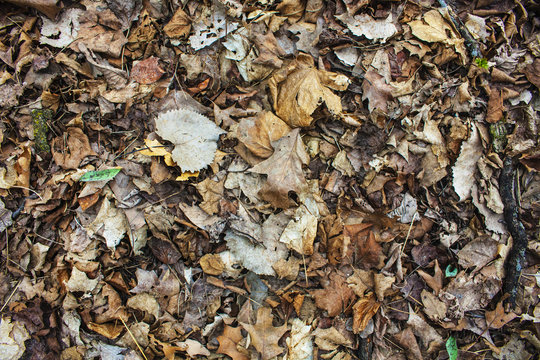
point(264, 335)
point(284, 170)
point(227, 343)
point(497, 318)
point(335, 297)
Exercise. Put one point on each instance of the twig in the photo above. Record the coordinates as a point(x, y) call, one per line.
point(516, 256)
point(133, 338)
point(469, 40)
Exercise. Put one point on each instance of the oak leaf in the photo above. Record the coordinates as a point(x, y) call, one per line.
point(497, 318)
point(284, 170)
point(264, 335)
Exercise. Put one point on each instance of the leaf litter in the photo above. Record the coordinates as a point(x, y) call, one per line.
point(260, 180)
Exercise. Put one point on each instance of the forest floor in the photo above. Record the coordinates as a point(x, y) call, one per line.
point(296, 179)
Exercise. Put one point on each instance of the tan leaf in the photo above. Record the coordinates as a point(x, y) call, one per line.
point(335, 297)
point(212, 264)
point(228, 341)
point(284, 170)
point(382, 283)
point(211, 192)
point(69, 153)
point(299, 89)
point(478, 252)
point(497, 318)
point(258, 133)
point(363, 311)
point(264, 335)
point(433, 307)
point(109, 330)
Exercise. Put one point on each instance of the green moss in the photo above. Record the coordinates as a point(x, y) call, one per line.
point(40, 117)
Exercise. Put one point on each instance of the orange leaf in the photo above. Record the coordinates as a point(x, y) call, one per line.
point(363, 311)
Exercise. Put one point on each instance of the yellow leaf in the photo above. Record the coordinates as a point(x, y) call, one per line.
point(186, 175)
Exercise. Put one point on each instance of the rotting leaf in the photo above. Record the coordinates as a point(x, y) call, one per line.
point(40, 118)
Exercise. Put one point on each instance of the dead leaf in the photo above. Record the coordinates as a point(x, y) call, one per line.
point(212, 264)
point(478, 253)
point(211, 192)
point(179, 25)
point(258, 133)
point(109, 330)
point(336, 295)
point(300, 342)
point(194, 135)
point(465, 166)
point(228, 341)
point(299, 89)
point(434, 28)
point(497, 318)
point(69, 151)
point(363, 311)
point(372, 29)
point(264, 335)
point(284, 170)
point(495, 106)
point(376, 91)
point(406, 339)
point(147, 71)
point(532, 71)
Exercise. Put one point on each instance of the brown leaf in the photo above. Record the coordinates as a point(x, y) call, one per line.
point(284, 170)
point(497, 318)
point(336, 295)
point(406, 339)
point(70, 154)
point(258, 133)
point(365, 248)
point(179, 25)
point(48, 7)
point(264, 335)
point(269, 50)
point(228, 341)
point(532, 71)
point(495, 106)
point(164, 250)
point(363, 311)
point(435, 281)
point(376, 91)
point(147, 71)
